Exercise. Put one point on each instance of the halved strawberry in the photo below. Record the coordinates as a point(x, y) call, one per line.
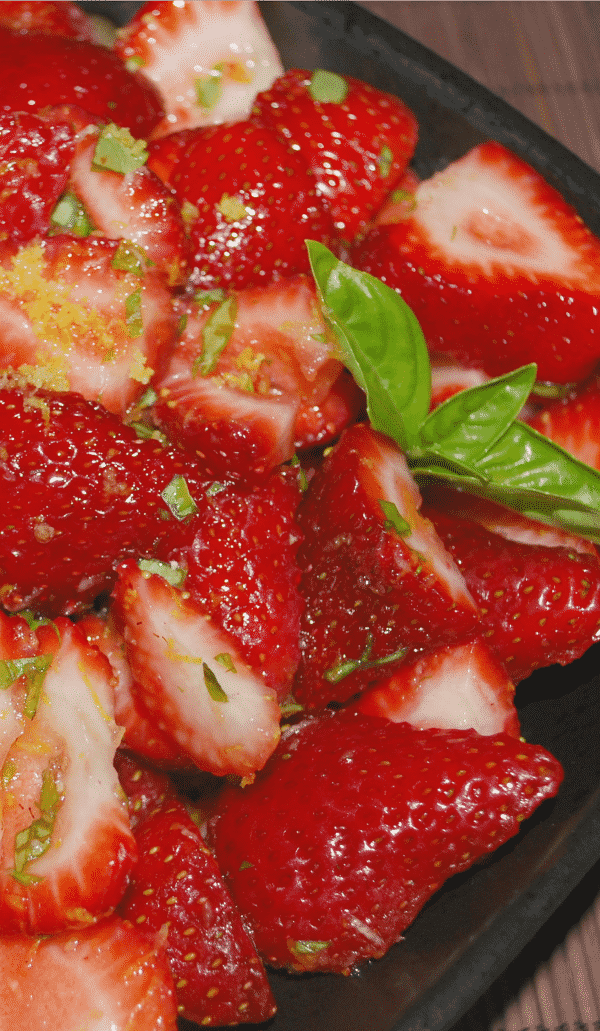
point(401, 201)
point(497, 267)
point(39, 71)
point(105, 976)
point(458, 687)
point(239, 551)
point(76, 315)
point(81, 491)
point(67, 848)
point(539, 605)
point(356, 140)
point(574, 422)
point(177, 887)
point(207, 60)
point(357, 821)
point(252, 372)
point(191, 677)
point(52, 18)
point(251, 204)
point(377, 580)
point(34, 156)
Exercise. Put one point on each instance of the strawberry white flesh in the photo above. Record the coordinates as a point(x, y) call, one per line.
point(208, 60)
point(108, 977)
point(71, 738)
point(191, 679)
point(459, 687)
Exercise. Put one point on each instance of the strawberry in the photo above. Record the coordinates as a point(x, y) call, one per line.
point(401, 201)
point(39, 71)
point(458, 687)
point(134, 206)
point(573, 422)
point(140, 731)
point(191, 677)
point(81, 491)
point(449, 377)
point(251, 373)
point(34, 156)
point(251, 204)
point(146, 788)
point(357, 821)
point(177, 887)
point(539, 605)
point(107, 975)
point(376, 580)
point(356, 140)
point(55, 19)
point(67, 848)
point(498, 268)
point(207, 60)
point(77, 315)
point(239, 551)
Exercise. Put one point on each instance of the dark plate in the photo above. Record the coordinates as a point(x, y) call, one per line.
point(471, 930)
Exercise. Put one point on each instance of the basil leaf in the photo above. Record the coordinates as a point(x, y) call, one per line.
point(380, 341)
point(215, 337)
point(466, 426)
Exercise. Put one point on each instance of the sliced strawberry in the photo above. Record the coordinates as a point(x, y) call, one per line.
point(135, 206)
point(256, 204)
point(177, 886)
point(39, 71)
point(573, 422)
point(449, 377)
point(252, 372)
point(55, 19)
point(457, 687)
point(497, 267)
point(81, 491)
point(377, 581)
point(34, 156)
point(18, 642)
point(239, 551)
point(357, 821)
point(75, 318)
point(207, 60)
point(140, 731)
point(401, 201)
point(146, 788)
point(191, 677)
point(105, 976)
point(356, 140)
point(67, 848)
point(539, 605)
point(164, 154)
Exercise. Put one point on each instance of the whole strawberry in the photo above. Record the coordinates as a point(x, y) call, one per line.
point(357, 821)
point(251, 203)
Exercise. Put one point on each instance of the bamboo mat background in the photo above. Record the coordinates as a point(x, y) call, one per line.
point(543, 57)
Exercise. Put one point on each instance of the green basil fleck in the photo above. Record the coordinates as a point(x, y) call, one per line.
point(133, 314)
point(174, 575)
point(118, 151)
point(70, 215)
point(327, 87)
point(226, 661)
point(385, 161)
point(344, 668)
point(177, 497)
point(129, 258)
point(208, 90)
point(213, 686)
point(393, 520)
point(215, 337)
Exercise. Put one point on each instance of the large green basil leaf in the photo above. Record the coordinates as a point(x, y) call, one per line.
point(380, 341)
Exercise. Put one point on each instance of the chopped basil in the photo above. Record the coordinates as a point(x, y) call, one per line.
point(246, 865)
point(207, 297)
point(385, 161)
point(393, 520)
point(69, 214)
point(226, 661)
point(344, 668)
point(129, 258)
point(174, 575)
point(213, 686)
point(148, 398)
point(215, 488)
point(34, 840)
point(327, 87)
point(208, 90)
point(215, 337)
point(118, 151)
point(133, 314)
point(307, 948)
point(178, 498)
point(34, 668)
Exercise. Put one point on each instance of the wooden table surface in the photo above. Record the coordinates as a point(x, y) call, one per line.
point(543, 57)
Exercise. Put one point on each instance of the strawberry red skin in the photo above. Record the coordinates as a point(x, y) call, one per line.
point(259, 234)
point(240, 553)
point(357, 149)
point(34, 155)
point(539, 605)
point(359, 579)
point(504, 320)
point(38, 71)
point(574, 422)
point(358, 821)
point(55, 19)
point(216, 970)
point(81, 491)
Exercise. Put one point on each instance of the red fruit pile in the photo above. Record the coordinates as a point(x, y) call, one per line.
point(175, 581)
